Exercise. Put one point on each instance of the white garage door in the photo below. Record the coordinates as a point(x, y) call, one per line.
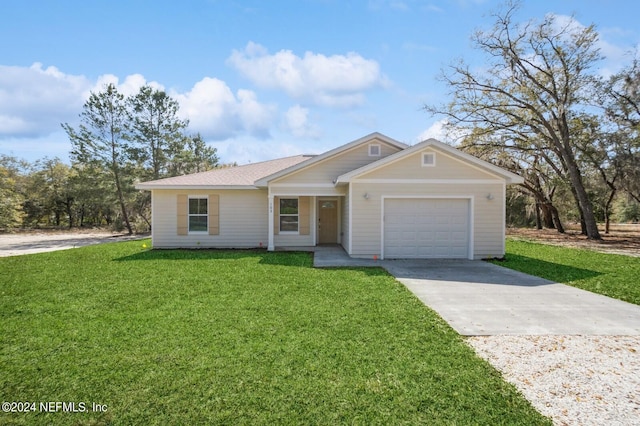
point(426, 228)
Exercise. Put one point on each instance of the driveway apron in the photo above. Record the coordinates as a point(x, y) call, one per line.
point(478, 298)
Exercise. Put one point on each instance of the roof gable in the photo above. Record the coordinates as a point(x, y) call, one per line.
point(471, 161)
point(251, 176)
point(332, 154)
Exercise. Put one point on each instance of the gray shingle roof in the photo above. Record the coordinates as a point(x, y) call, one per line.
point(245, 175)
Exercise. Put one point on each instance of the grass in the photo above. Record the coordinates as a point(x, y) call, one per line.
point(233, 337)
point(608, 274)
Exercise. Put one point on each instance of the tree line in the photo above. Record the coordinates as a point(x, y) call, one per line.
point(540, 107)
point(119, 141)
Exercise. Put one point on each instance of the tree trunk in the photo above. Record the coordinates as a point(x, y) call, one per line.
point(586, 209)
point(81, 216)
point(607, 209)
point(123, 208)
point(583, 225)
point(556, 219)
point(68, 205)
point(547, 215)
point(146, 200)
point(538, 218)
point(147, 221)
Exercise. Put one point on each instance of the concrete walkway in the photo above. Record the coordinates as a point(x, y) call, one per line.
point(479, 298)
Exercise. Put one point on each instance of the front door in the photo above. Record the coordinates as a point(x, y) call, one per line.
point(327, 221)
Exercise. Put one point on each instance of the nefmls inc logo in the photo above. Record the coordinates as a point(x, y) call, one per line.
point(64, 407)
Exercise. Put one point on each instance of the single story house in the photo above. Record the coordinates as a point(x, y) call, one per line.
point(375, 196)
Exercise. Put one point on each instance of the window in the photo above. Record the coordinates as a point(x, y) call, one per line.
point(288, 215)
point(428, 159)
point(198, 214)
point(374, 150)
point(328, 205)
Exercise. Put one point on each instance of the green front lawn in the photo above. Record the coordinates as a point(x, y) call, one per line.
point(237, 337)
point(608, 274)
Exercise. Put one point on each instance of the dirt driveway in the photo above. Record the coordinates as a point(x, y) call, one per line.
point(622, 238)
point(38, 242)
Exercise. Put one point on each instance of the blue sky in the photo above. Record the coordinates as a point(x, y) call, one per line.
point(258, 79)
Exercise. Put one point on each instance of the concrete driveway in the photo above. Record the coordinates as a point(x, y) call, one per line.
point(478, 298)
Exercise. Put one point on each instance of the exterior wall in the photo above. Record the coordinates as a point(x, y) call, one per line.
point(446, 167)
point(290, 240)
point(242, 220)
point(345, 223)
point(487, 215)
point(244, 214)
point(327, 171)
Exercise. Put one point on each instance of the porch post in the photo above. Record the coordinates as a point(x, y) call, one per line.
point(271, 246)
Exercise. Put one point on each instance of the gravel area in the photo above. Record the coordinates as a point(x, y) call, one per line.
point(39, 242)
point(574, 380)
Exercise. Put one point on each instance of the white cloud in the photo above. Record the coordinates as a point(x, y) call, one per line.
point(35, 100)
point(255, 117)
point(338, 80)
point(252, 151)
point(130, 86)
point(435, 131)
point(217, 113)
point(296, 122)
point(615, 56)
point(442, 131)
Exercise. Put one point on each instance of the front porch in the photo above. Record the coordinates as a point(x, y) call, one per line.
point(333, 256)
point(302, 221)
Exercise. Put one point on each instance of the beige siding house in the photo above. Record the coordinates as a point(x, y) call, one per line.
point(376, 197)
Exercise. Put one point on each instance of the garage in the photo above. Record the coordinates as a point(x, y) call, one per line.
point(426, 228)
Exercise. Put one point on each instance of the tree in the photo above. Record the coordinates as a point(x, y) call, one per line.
point(102, 137)
point(156, 130)
point(623, 90)
point(598, 149)
point(540, 181)
point(11, 191)
point(50, 196)
point(129, 139)
point(93, 187)
point(536, 82)
point(621, 97)
point(194, 157)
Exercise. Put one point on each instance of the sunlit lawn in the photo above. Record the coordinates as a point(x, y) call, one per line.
point(612, 275)
point(235, 337)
